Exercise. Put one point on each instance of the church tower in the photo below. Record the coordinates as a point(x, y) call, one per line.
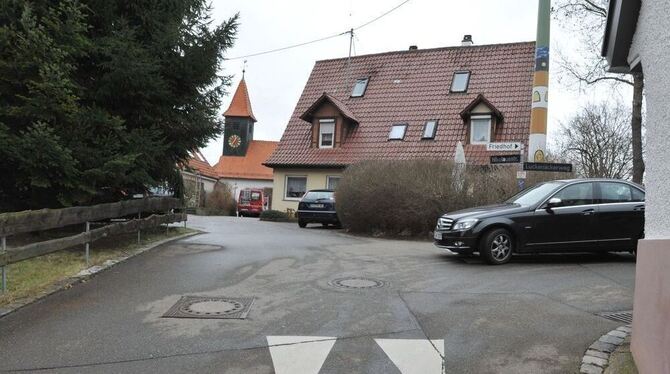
point(238, 130)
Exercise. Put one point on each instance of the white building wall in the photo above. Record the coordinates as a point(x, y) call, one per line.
point(651, 317)
point(651, 45)
point(237, 185)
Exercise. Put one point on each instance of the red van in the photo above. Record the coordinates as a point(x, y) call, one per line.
point(251, 202)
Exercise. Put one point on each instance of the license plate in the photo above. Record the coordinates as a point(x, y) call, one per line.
point(437, 236)
point(316, 205)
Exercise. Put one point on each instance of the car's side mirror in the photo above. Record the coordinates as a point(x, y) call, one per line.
point(554, 202)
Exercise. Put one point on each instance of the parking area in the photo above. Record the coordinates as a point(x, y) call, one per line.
point(317, 300)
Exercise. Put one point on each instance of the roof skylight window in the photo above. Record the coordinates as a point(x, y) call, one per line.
point(460, 81)
point(397, 132)
point(429, 130)
point(360, 87)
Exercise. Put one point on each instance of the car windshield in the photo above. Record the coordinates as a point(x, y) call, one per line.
point(535, 194)
point(319, 195)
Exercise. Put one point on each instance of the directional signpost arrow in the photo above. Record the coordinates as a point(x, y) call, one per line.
point(511, 147)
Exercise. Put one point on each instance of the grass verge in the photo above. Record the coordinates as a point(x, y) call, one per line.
point(31, 278)
point(621, 360)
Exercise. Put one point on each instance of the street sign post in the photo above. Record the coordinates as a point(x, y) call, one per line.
point(506, 159)
point(510, 147)
point(547, 166)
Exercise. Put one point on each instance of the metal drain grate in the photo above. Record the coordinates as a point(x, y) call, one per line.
point(356, 283)
point(623, 316)
point(210, 307)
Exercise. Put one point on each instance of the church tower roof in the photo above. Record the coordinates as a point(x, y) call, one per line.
point(240, 106)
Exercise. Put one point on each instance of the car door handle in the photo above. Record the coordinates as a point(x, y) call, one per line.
point(639, 208)
point(588, 212)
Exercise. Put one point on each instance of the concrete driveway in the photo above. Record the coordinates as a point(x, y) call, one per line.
point(427, 312)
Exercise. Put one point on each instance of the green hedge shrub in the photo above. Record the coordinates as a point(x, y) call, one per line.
point(274, 215)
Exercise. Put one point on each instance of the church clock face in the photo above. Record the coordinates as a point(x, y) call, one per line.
point(234, 141)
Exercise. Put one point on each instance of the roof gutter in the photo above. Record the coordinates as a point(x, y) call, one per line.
point(620, 28)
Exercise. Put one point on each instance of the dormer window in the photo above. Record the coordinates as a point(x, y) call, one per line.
point(397, 132)
point(360, 87)
point(326, 133)
point(460, 81)
point(480, 129)
point(429, 130)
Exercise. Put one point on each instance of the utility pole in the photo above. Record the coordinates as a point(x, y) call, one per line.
point(537, 141)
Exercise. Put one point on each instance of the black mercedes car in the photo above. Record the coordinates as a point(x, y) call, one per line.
point(317, 206)
point(580, 215)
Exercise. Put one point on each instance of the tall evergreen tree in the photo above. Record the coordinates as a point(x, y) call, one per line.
point(100, 98)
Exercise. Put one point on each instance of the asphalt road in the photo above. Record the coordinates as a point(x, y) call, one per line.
point(434, 313)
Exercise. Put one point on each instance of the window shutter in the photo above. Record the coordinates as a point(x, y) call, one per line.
point(494, 127)
point(338, 131)
point(315, 134)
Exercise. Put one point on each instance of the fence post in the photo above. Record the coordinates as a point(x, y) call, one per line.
point(4, 271)
point(88, 244)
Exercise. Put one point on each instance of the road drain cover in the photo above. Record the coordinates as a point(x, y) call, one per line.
point(210, 307)
point(356, 283)
point(624, 316)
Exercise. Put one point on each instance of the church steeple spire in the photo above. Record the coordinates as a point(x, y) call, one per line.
point(238, 130)
point(240, 106)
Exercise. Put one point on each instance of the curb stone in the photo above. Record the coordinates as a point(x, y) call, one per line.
point(86, 274)
point(597, 356)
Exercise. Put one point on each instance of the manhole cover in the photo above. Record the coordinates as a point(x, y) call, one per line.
point(356, 283)
point(624, 316)
point(210, 307)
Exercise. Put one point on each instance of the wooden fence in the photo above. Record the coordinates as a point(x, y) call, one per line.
point(160, 210)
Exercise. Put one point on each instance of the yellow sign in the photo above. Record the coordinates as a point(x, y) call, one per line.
point(538, 156)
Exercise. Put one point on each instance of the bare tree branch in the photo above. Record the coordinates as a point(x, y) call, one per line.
point(597, 142)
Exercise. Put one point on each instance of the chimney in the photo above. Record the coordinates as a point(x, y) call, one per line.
point(413, 48)
point(467, 40)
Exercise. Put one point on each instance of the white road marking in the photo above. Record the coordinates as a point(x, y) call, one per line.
point(414, 356)
point(299, 354)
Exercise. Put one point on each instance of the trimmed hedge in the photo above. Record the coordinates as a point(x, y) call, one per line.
point(274, 215)
point(405, 198)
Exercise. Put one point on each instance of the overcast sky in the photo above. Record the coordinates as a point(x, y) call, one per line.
point(275, 81)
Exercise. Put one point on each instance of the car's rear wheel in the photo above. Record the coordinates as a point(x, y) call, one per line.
point(302, 223)
point(497, 246)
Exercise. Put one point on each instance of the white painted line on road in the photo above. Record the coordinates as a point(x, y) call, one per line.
point(414, 356)
point(299, 354)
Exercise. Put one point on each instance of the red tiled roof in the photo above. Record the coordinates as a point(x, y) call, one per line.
point(198, 164)
point(249, 166)
point(480, 99)
point(413, 87)
point(308, 115)
point(240, 106)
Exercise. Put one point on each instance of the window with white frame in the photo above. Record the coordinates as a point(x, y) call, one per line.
point(332, 182)
point(460, 81)
point(397, 132)
point(429, 130)
point(359, 87)
point(480, 129)
point(296, 186)
point(326, 133)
